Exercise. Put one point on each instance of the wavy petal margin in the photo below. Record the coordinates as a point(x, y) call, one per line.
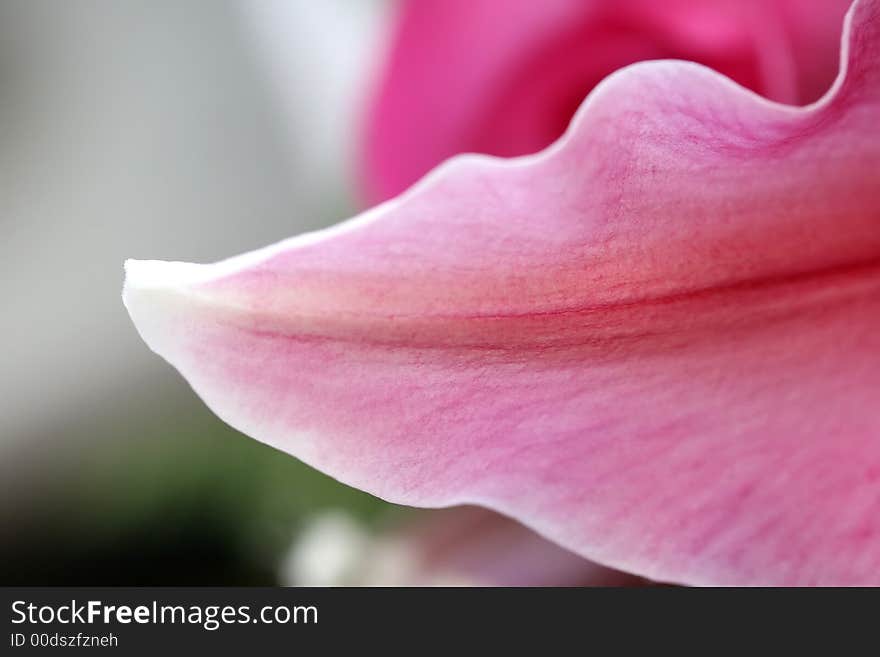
point(657, 342)
point(504, 78)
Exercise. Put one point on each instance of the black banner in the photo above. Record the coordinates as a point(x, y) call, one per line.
point(147, 620)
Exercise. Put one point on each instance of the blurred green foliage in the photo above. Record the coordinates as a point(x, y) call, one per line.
point(169, 501)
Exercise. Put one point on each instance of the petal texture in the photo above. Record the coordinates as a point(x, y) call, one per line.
point(505, 78)
point(657, 343)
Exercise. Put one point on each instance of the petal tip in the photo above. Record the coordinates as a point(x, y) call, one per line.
point(153, 290)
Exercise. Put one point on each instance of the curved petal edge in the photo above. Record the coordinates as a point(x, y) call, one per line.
point(657, 342)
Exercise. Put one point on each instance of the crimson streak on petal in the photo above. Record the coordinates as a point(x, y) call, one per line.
point(657, 342)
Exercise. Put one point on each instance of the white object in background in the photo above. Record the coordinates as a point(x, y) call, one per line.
point(328, 551)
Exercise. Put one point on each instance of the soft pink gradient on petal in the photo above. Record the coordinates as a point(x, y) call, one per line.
point(505, 77)
point(657, 343)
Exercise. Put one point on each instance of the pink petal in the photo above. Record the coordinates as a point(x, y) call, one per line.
point(657, 343)
point(504, 77)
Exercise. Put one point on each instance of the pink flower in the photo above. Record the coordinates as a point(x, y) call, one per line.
point(657, 342)
point(504, 77)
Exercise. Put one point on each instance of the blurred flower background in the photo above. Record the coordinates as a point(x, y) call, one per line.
point(156, 129)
